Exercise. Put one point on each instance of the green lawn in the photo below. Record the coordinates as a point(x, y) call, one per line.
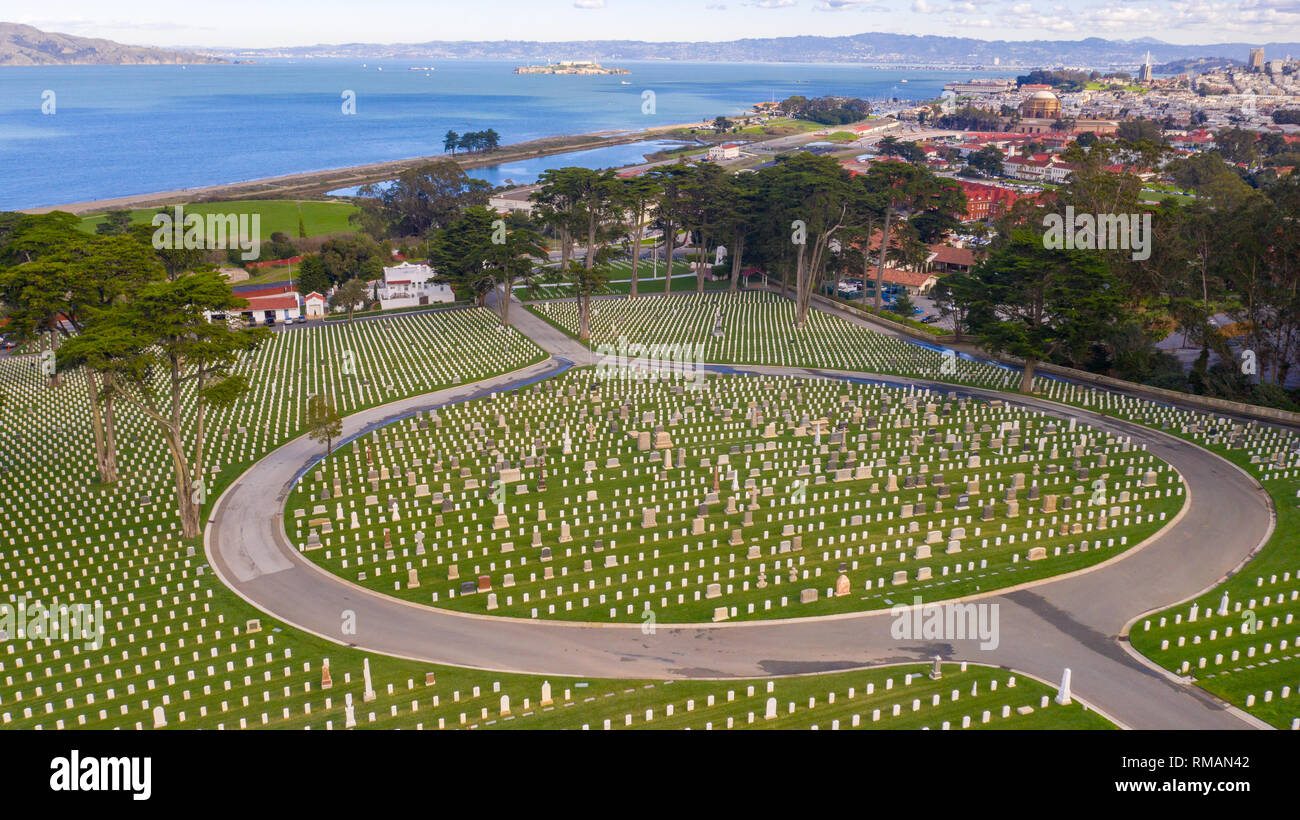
point(620, 276)
point(681, 284)
point(1264, 594)
point(343, 317)
point(277, 216)
point(1098, 85)
point(614, 567)
point(176, 635)
point(161, 602)
point(759, 329)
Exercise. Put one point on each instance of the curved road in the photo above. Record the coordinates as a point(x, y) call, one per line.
point(1072, 621)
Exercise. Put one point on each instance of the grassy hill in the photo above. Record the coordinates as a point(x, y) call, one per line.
point(276, 215)
point(25, 45)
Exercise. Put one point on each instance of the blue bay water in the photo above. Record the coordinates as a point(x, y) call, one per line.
point(124, 130)
point(527, 171)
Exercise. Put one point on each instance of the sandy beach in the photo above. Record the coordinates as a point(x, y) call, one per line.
point(316, 183)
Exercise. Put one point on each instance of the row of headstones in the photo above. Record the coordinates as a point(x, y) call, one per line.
point(246, 654)
point(753, 313)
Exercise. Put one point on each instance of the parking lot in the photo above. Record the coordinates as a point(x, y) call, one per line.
point(924, 307)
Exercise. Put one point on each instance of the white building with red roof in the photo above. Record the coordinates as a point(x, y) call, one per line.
point(264, 308)
point(916, 283)
point(408, 285)
point(729, 151)
point(280, 307)
point(314, 305)
point(1038, 168)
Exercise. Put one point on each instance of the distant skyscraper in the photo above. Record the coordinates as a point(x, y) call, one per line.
point(1257, 59)
point(1144, 73)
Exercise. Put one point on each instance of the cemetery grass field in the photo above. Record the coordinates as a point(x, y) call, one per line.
point(342, 318)
point(66, 537)
point(619, 282)
point(579, 549)
point(1272, 457)
point(178, 637)
point(681, 284)
point(1268, 662)
point(758, 329)
point(272, 679)
point(1247, 682)
point(277, 216)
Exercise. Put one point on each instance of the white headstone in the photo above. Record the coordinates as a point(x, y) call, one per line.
point(1063, 694)
point(369, 693)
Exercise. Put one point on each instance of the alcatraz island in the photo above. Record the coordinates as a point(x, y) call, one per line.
point(570, 67)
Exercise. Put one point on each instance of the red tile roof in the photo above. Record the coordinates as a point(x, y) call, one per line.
point(948, 255)
point(281, 301)
point(907, 278)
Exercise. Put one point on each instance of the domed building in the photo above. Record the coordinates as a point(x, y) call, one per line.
point(1041, 105)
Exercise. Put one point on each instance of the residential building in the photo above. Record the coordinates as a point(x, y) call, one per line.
point(408, 285)
point(985, 202)
point(515, 199)
point(720, 152)
point(947, 259)
point(271, 308)
point(916, 283)
point(1038, 168)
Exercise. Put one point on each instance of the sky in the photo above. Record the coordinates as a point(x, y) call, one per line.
point(268, 23)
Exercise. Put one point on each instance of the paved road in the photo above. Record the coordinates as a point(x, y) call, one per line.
point(1071, 622)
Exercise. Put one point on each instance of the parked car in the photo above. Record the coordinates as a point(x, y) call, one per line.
point(6, 343)
point(302, 320)
point(270, 321)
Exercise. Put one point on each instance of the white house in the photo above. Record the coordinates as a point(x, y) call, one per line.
point(729, 151)
point(408, 285)
point(515, 199)
point(277, 307)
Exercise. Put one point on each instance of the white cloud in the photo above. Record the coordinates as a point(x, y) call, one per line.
point(589, 4)
point(840, 5)
point(1283, 6)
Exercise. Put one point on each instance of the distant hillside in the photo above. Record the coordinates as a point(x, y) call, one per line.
point(1197, 65)
point(24, 45)
point(877, 47)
